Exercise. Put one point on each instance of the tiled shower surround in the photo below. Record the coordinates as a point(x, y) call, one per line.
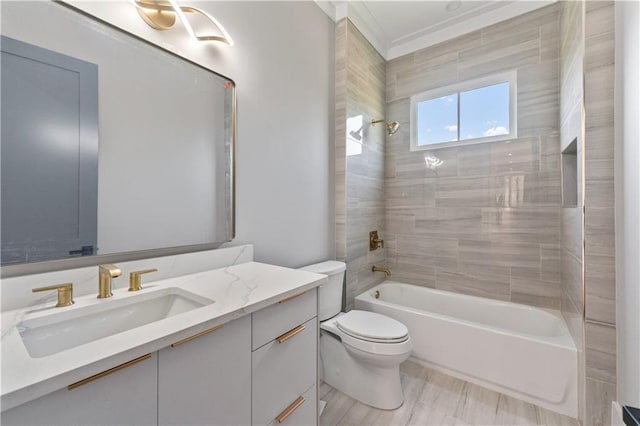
point(360, 159)
point(571, 129)
point(485, 222)
point(489, 220)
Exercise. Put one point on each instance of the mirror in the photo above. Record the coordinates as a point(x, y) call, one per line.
point(112, 147)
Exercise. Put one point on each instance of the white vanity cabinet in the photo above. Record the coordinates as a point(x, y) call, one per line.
point(284, 362)
point(123, 395)
point(205, 379)
point(259, 369)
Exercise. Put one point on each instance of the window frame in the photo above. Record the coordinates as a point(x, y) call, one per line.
point(456, 89)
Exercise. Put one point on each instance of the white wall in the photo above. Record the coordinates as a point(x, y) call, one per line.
point(282, 63)
point(628, 202)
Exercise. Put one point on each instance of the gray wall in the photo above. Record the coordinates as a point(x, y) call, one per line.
point(627, 179)
point(282, 62)
point(359, 163)
point(460, 227)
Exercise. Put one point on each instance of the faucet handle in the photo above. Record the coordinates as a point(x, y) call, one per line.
point(65, 293)
point(375, 242)
point(134, 279)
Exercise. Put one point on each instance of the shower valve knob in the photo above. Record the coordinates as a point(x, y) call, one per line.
point(375, 242)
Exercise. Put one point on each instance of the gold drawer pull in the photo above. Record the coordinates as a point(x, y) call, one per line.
point(290, 409)
point(72, 386)
point(285, 300)
point(289, 334)
point(195, 336)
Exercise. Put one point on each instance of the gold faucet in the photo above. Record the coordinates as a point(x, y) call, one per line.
point(65, 293)
point(135, 281)
point(387, 271)
point(105, 273)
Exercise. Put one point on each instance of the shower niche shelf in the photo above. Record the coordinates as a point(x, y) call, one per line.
point(570, 175)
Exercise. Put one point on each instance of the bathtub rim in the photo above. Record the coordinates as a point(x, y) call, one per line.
point(564, 341)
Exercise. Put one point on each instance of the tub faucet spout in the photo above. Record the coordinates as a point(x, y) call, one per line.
point(386, 271)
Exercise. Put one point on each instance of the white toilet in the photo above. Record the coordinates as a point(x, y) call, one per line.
point(360, 351)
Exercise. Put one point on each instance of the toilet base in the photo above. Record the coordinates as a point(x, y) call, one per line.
point(371, 379)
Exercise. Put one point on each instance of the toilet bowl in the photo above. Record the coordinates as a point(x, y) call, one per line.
point(362, 363)
point(360, 351)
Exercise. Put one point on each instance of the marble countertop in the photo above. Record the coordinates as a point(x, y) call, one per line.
point(237, 291)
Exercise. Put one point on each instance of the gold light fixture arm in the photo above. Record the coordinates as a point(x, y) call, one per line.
point(225, 38)
point(161, 15)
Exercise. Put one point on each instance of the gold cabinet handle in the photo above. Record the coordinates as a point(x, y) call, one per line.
point(72, 386)
point(65, 293)
point(135, 281)
point(195, 336)
point(285, 300)
point(289, 334)
point(290, 409)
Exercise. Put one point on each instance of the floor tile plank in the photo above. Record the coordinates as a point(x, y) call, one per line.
point(436, 399)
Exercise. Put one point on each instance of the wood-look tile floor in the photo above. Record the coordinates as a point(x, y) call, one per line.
point(433, 398)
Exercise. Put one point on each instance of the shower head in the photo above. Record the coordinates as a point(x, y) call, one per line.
point(391, 127)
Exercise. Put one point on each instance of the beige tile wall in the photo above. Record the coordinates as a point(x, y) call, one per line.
point(487, 221)
point(571, 128)
point(360, 71)
point(340, 180)
point(588, 256)
point(599, 258)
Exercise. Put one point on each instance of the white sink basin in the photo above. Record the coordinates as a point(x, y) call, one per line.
point(50, 334)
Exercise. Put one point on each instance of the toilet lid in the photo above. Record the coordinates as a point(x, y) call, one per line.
point(373, 327)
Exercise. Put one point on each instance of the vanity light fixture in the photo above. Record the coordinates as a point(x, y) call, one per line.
point(161, 15)
point(391, 127)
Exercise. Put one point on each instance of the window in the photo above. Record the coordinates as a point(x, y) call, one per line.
point(482, 110)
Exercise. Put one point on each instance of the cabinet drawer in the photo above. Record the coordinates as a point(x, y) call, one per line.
point(305, 414)
point(207, 380)
point(123, 395)
point(282, 372)
point(281, 317)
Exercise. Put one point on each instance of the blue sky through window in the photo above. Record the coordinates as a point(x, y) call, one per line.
point(438, 120)
point(484, 112)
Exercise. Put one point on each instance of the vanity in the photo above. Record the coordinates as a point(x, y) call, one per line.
point(231, 345)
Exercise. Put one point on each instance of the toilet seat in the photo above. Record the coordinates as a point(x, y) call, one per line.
point(392, 346)
point(372, 327)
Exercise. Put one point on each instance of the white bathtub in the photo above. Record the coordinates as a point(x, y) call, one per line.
point(518, 350)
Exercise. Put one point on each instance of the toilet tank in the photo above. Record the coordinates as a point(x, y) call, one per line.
point(329, 294)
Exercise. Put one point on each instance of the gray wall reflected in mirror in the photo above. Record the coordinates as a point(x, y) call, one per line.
point(49, 154)
point(165, 140)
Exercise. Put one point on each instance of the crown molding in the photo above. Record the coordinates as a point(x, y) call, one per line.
point(473, 20)
point(328, 7)
point(364, 21)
